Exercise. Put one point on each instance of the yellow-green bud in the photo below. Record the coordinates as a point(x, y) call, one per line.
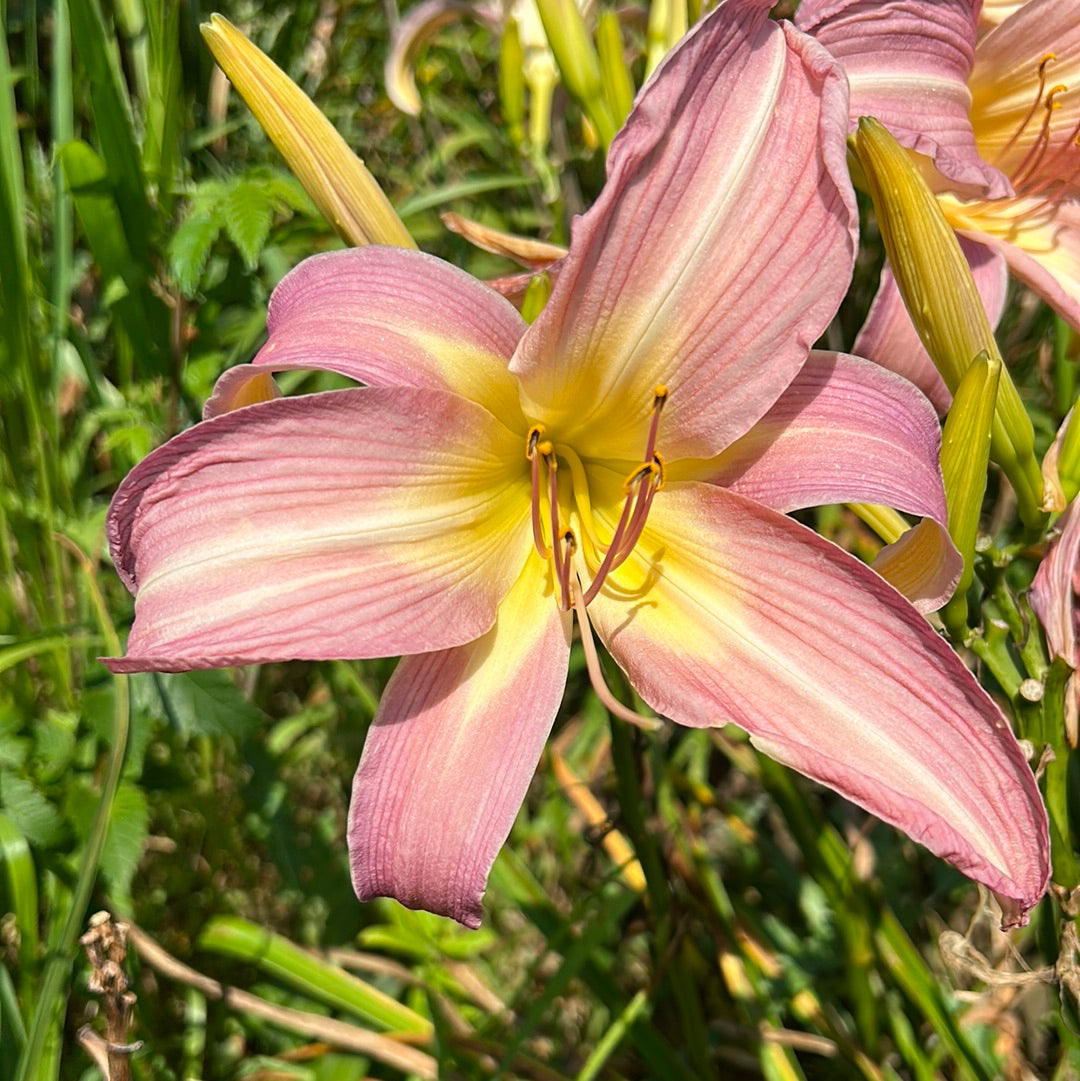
point(667, 25)
point(579, 66)
point(965, 451)
point(536, 296)
point(940, 294)
point(336, 179)
point(615, 75)
point(512, 82)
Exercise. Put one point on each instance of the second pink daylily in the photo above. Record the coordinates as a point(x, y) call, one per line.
point(629, 457)
point(999, 117)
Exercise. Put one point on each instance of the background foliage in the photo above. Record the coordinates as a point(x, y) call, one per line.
point(670, 905)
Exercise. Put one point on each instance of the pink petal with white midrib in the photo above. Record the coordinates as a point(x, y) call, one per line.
point(350, 524)
point(391, 317)
point(757, 621)
point(677, 275)
point(451, 753)
point(847, 431)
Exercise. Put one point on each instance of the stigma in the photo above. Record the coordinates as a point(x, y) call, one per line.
point(555, 503)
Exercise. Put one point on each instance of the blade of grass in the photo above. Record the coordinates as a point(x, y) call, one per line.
point(63, 131)
point(113, 121)
point(309, 973)
point(22, 902)
point(40, 1061)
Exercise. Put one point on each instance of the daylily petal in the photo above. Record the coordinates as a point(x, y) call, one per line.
point(385, 316)
point(1053, 593)
point(753, 619)
point(997, 11)
point(674, 276)
point(888, 337)
point(450, 755)
point(357, 523)
point(908, 62)
point(846, 431)
point(1007, 98)
point(1040, 243)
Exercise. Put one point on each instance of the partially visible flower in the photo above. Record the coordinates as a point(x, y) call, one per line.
point(1000, 121)
point(629, 457)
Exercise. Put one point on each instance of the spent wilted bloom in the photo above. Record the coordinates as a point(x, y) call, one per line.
point(998, 116)
point(628, 459)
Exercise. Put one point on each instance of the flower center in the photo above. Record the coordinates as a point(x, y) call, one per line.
point(553, 535)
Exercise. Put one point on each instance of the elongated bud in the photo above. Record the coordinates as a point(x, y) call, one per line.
point(965, 451)
point(512, 82)
point(936, 283)
point(337, 181)
point(578, 63)
point(615, 75)
point(667, 25)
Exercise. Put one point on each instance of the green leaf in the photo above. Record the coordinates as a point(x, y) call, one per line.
point(129, 826)
point(207, 704)
point(190, 247)
point(248, 213)
point(38, 819)
point(307, 972)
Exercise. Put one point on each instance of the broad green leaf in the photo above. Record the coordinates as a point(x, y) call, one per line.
point(113, 121)
point(207, 704)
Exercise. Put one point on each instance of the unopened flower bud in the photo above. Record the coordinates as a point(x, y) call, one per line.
point(336, 179)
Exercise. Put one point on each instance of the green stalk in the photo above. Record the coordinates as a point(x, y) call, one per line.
point(47, 1021)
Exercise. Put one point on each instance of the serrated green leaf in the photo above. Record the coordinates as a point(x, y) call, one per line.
point(129, 826)
point(190, 248)
point(54, 744)
point(207, 704)
point(38, 819)
point(247, 214)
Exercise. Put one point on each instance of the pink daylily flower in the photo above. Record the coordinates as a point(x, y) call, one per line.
point(999, 118)
point(629, 457)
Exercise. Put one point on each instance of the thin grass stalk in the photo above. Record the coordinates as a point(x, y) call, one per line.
point(47, 1020)
point(63, 131)
point(28, 421)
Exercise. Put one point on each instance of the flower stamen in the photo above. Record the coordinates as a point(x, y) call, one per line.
point(532, 452)
point(640, 487)
point(1047, 59)
point(596, 673)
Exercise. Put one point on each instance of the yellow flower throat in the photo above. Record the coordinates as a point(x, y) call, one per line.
point(553, 536)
